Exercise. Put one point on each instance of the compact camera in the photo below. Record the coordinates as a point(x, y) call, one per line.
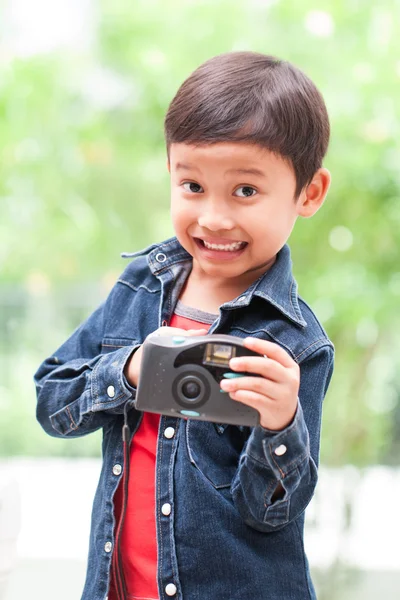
point(180, 377)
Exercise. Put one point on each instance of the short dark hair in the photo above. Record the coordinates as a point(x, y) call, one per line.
point(254, 98)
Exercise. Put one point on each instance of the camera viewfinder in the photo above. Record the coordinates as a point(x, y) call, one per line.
point(218, 355)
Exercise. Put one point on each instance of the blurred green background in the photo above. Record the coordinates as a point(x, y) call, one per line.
point(83, 177)
point(84, 88)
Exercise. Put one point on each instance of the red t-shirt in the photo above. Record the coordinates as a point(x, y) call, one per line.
point(138, 538)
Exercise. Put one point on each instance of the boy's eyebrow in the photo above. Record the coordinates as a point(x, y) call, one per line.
point(187, 167)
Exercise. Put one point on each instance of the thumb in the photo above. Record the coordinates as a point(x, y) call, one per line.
point(193, 332)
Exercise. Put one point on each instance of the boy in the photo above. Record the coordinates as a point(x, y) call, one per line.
point(210, 511)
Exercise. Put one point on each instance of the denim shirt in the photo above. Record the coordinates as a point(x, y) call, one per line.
point(227, 536)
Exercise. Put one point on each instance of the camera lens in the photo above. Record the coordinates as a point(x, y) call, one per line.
point(191, 390)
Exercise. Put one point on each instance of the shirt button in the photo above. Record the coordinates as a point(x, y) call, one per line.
point(169, 433)
point(117, 469)
point(170, 589)
point(160, 257)
point(111, 391)
point(108, 547)
point(280, 450)
point(166, 509)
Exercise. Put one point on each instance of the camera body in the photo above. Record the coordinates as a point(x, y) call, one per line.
point(180, 377)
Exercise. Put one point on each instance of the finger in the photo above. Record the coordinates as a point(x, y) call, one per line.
point(192, 332)
point(262, 366)
point(168, 331)
point(270, 349)
point(269, 417)
point(163, 331)
point(258, 385)
point(253, 399)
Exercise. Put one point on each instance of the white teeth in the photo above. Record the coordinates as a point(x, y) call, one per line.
point(225, 248)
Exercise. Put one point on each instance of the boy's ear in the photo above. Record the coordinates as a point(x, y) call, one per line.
point(168, 166)
point(313, 196)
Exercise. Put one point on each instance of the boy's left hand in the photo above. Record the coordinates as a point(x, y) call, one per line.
point(275, 393)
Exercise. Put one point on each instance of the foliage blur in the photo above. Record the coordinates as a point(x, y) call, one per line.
point(84, 177)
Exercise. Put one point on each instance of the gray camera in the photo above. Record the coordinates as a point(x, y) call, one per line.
point(180, 377)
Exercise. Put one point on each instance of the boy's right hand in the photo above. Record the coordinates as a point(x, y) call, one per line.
point(132, 367)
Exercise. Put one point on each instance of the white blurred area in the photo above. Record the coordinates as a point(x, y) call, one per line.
point(10, 523)
point(28, 28)
point(351, 520)
point(352, 516)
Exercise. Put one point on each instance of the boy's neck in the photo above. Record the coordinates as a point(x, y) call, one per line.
point(203, 297)
point(209, 293)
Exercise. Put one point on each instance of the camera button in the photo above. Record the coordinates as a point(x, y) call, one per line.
point(178, 340)
point(169, 433)
point(233, 375)
point(190, 413)
point(166, 509)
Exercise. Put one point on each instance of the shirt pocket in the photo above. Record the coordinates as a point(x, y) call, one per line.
point(214, 449)
point(111, 344)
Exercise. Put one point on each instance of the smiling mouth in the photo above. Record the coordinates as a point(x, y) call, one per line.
point(232, 247)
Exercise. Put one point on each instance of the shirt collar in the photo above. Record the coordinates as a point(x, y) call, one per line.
point(276, 286)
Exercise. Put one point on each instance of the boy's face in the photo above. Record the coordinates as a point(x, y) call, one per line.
point(231, 220)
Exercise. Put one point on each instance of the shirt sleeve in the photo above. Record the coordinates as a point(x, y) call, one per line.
point(288, 457)
point(78, 388)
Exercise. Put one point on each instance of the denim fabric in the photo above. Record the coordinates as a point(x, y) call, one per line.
point(226, 536)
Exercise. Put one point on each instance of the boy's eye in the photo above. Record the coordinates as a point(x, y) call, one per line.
point(247, 191)
point(193, 187)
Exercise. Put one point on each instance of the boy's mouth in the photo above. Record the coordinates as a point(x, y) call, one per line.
point(226, 250)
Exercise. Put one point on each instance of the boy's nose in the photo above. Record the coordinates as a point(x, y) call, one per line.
point(214, 221)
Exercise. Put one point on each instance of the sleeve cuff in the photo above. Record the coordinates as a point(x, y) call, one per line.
point(110, 387)
point(283, 450)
